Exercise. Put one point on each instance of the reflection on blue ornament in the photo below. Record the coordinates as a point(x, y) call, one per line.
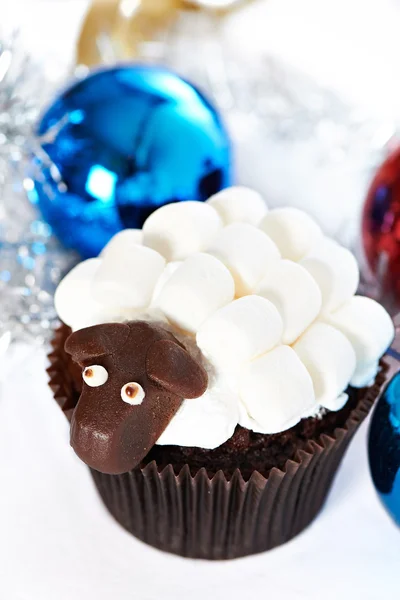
point(121, 143)
point(384, 447)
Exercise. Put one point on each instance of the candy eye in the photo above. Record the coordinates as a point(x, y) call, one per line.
point(95, 375)
point(132, 393)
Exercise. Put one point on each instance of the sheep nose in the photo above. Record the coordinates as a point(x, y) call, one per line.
point(97, 443)
point(90, 444)
point(107, 435)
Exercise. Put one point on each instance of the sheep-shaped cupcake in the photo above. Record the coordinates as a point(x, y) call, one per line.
point(259, 319)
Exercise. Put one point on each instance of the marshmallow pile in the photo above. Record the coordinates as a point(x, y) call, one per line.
point(266, 297)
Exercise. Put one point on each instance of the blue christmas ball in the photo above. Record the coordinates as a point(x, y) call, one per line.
point(384, 447)
point(121, 143)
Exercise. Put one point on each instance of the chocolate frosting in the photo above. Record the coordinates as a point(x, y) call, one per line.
point(107, 433)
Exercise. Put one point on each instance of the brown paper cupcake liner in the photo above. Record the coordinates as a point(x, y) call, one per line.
point(220, 516)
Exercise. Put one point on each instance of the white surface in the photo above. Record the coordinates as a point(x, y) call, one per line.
point(58, 542)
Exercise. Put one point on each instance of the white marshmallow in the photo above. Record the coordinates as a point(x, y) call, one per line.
point(276, 389)
point(370, 330)
point(365, 374)
point(125, 237)
point(180, 229)
point(240, 331)
point(239, 205)
point(169, 270)
point(74, 302)
point(127, 276)
point(335, 270)
point(205, 422)
point(199, 286)
point(329, 358)
point(246, 251)
point(337, 403)
point(293, 231)
point(294, 293)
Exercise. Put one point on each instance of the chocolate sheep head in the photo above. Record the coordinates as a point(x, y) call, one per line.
point(136, 376)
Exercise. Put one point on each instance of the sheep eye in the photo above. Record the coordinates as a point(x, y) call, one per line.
point(132, 393)
point(95, 375)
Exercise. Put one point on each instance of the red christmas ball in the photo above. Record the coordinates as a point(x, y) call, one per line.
point(381, 226)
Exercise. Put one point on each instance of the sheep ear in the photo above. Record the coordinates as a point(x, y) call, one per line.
point(95, 341)
point(172, 367)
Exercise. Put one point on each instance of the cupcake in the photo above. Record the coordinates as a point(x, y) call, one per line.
point(214, 366)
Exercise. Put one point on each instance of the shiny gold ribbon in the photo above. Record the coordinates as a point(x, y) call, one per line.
point(115, 30)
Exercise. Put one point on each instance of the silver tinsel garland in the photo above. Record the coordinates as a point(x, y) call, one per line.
point(31, 260)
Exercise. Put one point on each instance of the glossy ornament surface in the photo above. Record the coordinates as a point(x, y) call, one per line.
point(384, 447)
point(384, 434)
point(121, 143)
point(381, 227)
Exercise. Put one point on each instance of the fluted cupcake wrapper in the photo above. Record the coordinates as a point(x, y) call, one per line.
point(216, 518)
point(220, 517)
point(199, 517)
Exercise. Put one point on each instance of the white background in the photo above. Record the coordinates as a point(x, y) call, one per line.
point(57, 542)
